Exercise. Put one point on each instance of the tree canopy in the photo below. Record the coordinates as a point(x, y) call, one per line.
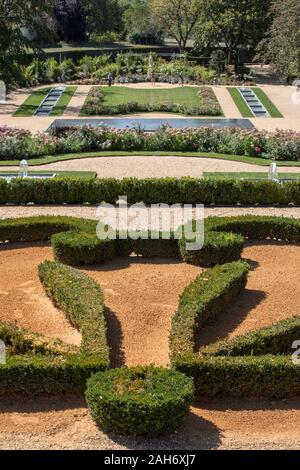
point(281, 47)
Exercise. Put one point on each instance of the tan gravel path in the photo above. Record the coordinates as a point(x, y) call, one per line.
point(23, 300)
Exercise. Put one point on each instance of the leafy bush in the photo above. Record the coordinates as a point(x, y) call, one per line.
point(82, 300)
point(277, 339)
point(202, 301)
point(243, 377)
point(139, 401)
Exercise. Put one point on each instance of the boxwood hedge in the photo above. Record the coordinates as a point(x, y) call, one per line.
point(81, 298)
point(277, 339)
point(140, 401)
point(184, 190)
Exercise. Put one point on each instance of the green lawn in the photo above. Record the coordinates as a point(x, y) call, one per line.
point(75, 156)
point(240, 103)
point(243, 175)
point(270, 107)
point(69, 174)
point(31, 104)
point(181, 96)
point(64, 100)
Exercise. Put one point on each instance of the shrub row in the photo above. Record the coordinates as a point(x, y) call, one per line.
point(20, 341)
point(202, 301)
point(82, 300)
point(280, 145)
point(53, 375)
point(247, 376)
point(150, 191)
point(277, 339)
point(258, 228)
point(139, 401)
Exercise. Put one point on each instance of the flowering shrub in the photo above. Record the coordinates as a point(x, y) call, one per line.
point(280, 145)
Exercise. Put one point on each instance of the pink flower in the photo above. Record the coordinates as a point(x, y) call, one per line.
point(257, 149)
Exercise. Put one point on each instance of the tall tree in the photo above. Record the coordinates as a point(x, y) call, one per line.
point(102, 16)
point(16, 18)
point(178, 18)
point(236, 23)
point(69, 20)
point(281, 47)
point(140, 25)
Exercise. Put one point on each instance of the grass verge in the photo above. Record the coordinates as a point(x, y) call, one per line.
point(243, 175)
point(270, 107)
point(64, 100)
point(61, 174)
point(31, 104)
point(240, 102)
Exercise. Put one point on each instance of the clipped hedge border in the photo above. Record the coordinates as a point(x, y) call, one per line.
point(55, 375)
point(184, 190)
point(81, 298)
point(145, 401)
point(202, 301)
point(247, 376)
point(277, 339)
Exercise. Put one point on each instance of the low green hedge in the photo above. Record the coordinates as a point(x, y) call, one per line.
point(20, 341)
point(202, 301)
point(34, 375)
point(77, 249)
point(149, 190)
point(247, 376)
point(82, 300)
point(140, 401)
point(219, 248)
point(258, 228)
point(277, 339)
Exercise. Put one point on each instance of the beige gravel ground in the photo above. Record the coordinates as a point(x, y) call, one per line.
point(153, 167)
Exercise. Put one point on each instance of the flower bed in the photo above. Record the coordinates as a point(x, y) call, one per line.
point(280, 145)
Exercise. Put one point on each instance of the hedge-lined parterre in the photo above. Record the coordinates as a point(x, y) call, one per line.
point(185, 190)
point(145, 401)
point(202, 301)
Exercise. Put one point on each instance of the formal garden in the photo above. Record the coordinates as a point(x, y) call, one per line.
point(117, 339)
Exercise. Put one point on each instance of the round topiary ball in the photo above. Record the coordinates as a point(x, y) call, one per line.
point(144, 401)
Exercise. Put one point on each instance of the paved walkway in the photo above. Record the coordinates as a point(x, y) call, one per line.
point(152, 167)
point(229, 107)
point(77, 101)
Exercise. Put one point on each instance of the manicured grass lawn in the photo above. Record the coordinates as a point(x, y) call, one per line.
point(187, 97)
point(240, 102)
point(31, 104)
point(270, 107)
point(70, 174)
point(243, 175)
point(29, 107)
point(77, 156)
point(64, 100)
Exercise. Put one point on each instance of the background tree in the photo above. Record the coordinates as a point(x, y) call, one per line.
point(281, 47)
point(177, 18)
point(237, 24)
point(16, 18)
point(69, 20)
point(139, 24)
point(102, 16)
